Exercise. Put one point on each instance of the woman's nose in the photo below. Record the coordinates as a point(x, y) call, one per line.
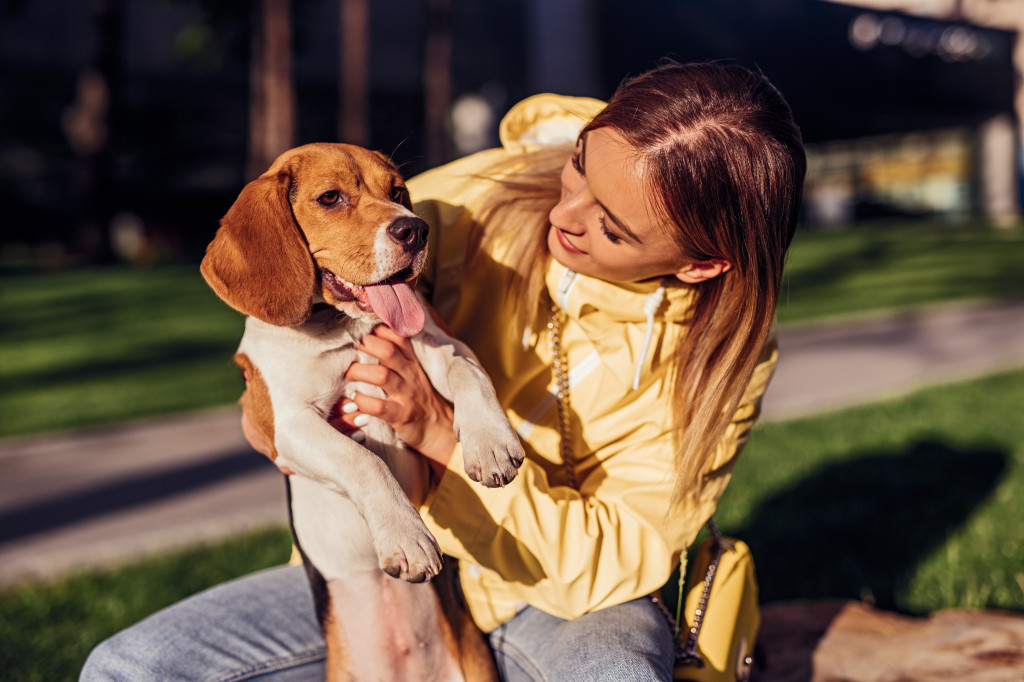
point(569, 211)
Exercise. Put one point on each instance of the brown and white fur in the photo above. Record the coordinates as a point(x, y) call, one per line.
point(299, 252)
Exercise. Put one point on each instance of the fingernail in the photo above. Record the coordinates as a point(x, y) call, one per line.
point(361, 420)
point(358, 436)
point(349, 408)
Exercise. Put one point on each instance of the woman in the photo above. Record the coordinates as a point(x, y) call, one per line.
point(645, 263)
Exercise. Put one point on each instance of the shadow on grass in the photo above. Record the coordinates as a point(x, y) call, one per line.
point(163, 355)
point(858, 529)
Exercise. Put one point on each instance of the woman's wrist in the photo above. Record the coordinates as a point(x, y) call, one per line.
point(438, 442)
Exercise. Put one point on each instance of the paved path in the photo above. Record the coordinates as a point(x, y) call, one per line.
point(828, 366)
point(102, 496)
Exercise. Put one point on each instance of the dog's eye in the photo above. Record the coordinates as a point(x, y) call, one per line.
point(329, 198)
point(399, 195)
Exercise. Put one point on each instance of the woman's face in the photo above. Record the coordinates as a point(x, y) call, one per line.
point(603, 225)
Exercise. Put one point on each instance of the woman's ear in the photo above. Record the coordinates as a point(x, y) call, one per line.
point(703, 270)
point(258, 262)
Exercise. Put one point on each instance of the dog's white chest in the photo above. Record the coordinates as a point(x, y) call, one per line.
point(305, 365)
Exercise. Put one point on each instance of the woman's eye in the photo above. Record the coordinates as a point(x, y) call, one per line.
point(329, 198)
point(576, 162)
point(611, 236)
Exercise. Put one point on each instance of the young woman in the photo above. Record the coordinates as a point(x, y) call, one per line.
point(636, 267)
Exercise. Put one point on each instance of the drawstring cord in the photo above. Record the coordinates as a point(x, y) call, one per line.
point(651, 306)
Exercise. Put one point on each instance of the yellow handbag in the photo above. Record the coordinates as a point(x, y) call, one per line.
point(722, 613)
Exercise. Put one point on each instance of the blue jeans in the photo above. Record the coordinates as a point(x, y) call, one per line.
point(262, 627)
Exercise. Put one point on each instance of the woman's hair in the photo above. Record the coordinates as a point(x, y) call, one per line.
point(724, 161)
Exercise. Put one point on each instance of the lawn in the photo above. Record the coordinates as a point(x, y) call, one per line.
point(47, 631)
point(917, 502)
point(912, 504)
point(91, 346)
point(864, 270)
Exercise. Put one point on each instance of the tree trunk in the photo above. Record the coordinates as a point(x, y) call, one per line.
point(89, 124)
point(437, 83)
point(272, 91)
point(354, 73)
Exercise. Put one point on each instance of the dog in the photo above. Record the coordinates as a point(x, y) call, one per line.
point(316, 252)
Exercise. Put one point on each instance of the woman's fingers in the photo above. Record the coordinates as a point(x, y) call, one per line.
point(385, 333)
point(349, 420)
point(369, 406)
point(410, 405)
point(377, 375)
point(394, 352)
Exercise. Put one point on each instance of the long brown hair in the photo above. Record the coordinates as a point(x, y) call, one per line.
point(725, 165)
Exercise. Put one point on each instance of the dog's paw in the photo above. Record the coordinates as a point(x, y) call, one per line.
point(409, 553)
point(492, 456)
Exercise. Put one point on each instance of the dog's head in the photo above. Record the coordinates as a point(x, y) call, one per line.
point(327, 220)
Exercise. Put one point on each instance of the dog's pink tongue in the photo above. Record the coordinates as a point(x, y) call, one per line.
point(397, 306)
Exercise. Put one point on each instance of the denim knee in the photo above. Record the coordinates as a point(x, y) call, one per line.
point(111, 661)
point(260, 627)
point(631, 641)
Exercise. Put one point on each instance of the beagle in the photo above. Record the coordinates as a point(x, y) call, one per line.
point(316, 252)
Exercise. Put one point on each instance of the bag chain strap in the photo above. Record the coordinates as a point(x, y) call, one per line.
point(689, 653)
point(685, 654)
point(562, 393)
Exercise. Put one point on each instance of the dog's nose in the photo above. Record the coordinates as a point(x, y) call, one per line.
point(411, 233)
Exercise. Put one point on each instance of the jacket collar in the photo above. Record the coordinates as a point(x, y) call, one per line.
point(581, 296)
point(621, 320)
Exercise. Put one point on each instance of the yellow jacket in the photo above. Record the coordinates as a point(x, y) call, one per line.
point(538, 541)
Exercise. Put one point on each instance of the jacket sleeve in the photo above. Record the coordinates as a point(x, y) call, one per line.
point(569, 552)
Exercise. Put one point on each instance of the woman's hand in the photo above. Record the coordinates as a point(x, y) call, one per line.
point(417, 413)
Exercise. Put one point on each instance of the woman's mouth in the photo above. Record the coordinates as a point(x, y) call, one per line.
point(564, 241)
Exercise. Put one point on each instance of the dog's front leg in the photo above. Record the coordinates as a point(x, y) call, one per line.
point(312, 448)
point(490, 447)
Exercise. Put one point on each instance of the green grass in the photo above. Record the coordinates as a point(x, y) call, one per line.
point(868, 269)
point(92, 346)
point(914, 504)
point(47, 630)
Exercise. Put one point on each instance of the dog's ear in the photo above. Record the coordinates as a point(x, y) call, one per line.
point(259, 262)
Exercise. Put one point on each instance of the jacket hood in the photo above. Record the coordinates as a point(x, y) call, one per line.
point(546, 120)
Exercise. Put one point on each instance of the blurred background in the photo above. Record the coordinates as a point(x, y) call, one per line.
point(128, 126)
point(889, 465)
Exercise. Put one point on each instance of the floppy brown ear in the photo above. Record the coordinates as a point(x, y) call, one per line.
point(259, 262)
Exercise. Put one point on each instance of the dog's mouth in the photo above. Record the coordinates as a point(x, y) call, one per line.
point(392, 300)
